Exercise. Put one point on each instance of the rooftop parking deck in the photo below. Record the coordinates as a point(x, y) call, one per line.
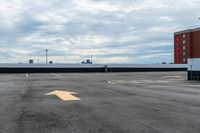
point(141, 102)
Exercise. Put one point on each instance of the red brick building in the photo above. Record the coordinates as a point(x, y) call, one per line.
point(186, 45)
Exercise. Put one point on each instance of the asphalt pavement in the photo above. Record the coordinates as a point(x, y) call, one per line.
point(140, 102)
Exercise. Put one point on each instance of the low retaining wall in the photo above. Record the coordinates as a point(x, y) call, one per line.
point(50, 70)
point(79, 68)
point(145, 69)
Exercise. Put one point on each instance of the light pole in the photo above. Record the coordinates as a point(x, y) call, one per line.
point(92, 58)
point(46, 50)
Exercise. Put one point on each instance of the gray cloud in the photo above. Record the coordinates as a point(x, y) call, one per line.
point(139, 31)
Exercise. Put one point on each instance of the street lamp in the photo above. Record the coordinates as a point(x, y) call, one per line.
point(92, 58)
point(46, 50)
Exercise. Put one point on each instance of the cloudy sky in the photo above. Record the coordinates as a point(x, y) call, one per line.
point(113, 31)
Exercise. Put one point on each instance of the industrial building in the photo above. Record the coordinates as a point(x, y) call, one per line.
point(186, 45)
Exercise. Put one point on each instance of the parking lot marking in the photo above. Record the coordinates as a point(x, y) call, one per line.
point(172, 76)
point(110, 82)
point(86, 75)
point(26, 75)
point(64, 95)
point(137, 81)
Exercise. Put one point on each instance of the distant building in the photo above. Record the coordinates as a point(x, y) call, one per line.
point(186, 45)
point(31, 61)
point(88, 61)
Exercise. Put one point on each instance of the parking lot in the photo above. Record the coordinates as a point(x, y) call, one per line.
point(140, 102)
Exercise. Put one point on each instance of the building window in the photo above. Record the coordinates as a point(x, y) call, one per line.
point(183, 35)
point(184, 41)
point(184, 47)
point(184, 60)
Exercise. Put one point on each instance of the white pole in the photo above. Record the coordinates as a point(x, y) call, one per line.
point(46, 56)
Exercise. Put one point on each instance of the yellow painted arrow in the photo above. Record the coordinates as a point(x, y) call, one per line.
point(64, 95)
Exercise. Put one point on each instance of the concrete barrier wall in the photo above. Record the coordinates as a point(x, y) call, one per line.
point(146, 67)
point(67, 68)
